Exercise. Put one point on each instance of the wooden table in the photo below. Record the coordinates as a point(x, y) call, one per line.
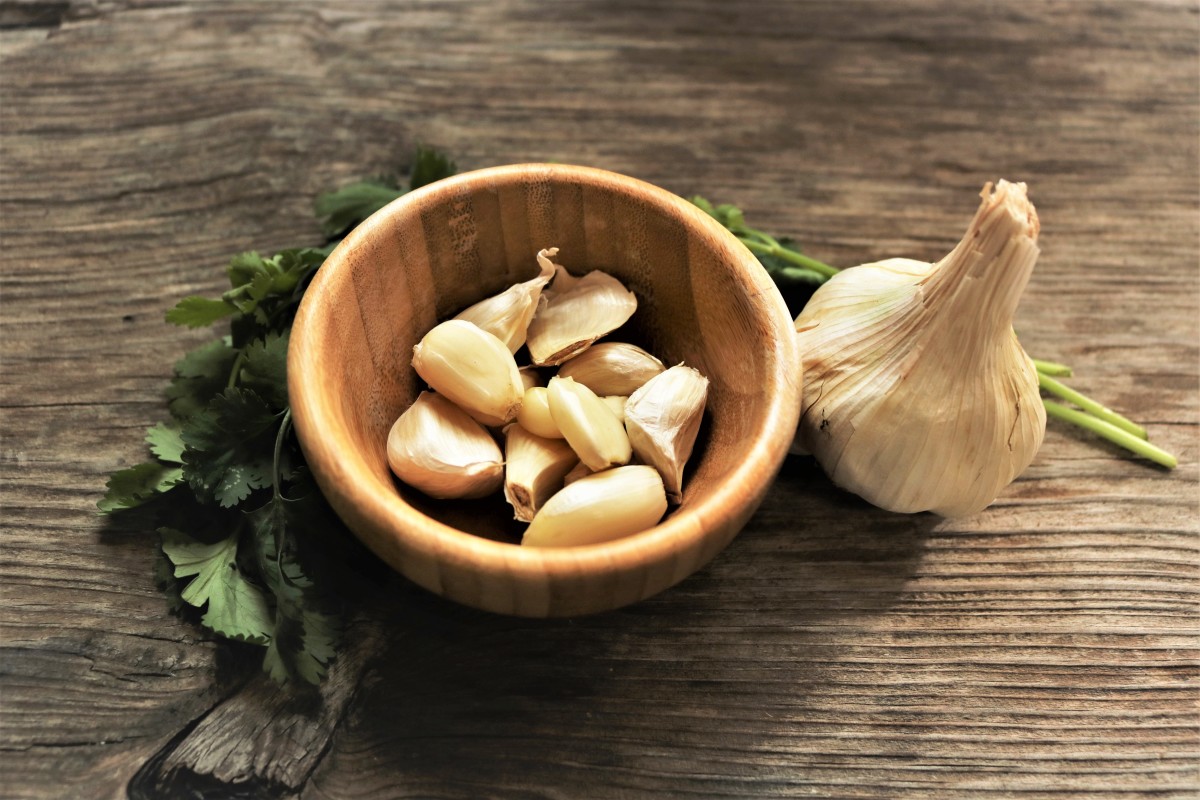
point(1044, 648)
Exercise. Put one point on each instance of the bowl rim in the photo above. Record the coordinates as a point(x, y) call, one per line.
point(732, 500)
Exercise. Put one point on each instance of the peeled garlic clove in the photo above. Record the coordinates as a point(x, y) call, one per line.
point(436, 447)
point(534, 469)
point(612, 368)
point(534, 415)
point(573, 318)
point(663, 418)
point(507, 315)
point(917, 395)
point(588, 424)
point(616, 404)
point(599, 508)
point(581, 470)
point(473, 369)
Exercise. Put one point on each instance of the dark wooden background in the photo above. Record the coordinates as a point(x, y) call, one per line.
point(1044, 648)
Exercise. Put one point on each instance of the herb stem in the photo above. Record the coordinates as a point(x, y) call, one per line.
point(771, 247)
point(1090, 406)
point(285, 426)
point(237, 368)
point(1052, 368)
point(1112, 433)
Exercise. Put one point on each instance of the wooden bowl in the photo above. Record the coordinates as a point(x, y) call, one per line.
point(703, 299)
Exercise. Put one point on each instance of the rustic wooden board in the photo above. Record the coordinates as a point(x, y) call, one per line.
point(1047, 647)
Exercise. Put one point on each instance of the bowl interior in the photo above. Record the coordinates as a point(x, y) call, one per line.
point(702, 300)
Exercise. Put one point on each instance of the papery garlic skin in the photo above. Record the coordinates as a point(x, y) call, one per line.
point(534, 469)
point(663, 419)
point(599, 508)
point(588, 424)
point(438, 448)
point(578, 311)
point(917, 395)
point(507, 315)
point(472, 368)
point(612, 368)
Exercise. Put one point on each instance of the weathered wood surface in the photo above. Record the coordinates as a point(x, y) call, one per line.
point(1047, 647)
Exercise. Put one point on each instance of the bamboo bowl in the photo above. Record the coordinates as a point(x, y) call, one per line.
point(703, 299)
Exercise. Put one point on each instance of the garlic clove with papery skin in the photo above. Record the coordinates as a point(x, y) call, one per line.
point(507, 315)
point(578, 311)
point(917, 395)
point(663, 418)
point(612, 368)
point(436, 447)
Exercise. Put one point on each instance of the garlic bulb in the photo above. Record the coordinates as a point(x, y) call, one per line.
point(663, 418)
point(436, 447)
point(507, 315)
point(612, 368)
point(917, 395)
point(472, 368)
point(588, 424)
point(578, 311)
point(601, 507)
point(534, 469)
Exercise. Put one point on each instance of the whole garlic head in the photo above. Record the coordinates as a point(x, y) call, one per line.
point(917, 395)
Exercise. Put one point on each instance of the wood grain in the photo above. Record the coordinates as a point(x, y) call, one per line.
point(1046, 647)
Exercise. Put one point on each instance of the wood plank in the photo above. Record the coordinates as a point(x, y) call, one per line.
point(1046, 646)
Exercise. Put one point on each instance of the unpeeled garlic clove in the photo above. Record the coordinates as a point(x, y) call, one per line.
point(599, 508)
point(472, 368)
point(663, 418)
point(577, 315)
point(507, 315)
point(437, 448)
point(588, 424)
point(534, 469)
point(534, 415)
point(917, 395)
point(530, 378)
point(612, 368)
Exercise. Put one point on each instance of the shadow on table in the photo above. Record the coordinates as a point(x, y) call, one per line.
point(684, 691)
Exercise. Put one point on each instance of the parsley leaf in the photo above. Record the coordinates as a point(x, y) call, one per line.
point(132, 487)
point(229, 447)
point(341, 210)
point(197, 312)
point(430, 165)
point(264, 369)
point(237, 609)
point(165, 443)
point(199, 376)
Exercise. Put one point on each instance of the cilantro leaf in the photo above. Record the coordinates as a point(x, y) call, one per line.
point(306, 631)
point(341, 210)
point(430, 165)
point(197, 312)
point(265, 368)
point(199, 376)
point(237, 609)
point(165, 443)
point(230, 446)
point(134, 486)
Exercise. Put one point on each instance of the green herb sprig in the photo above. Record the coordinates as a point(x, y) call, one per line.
point(241, 523)
point(798, 275)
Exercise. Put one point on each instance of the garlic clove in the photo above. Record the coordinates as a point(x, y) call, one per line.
point(473, 369)
point(534, 415)
point(577, 313)
point(507, 315)
point(612, 368)
point(616, 404)
point(581, 470)
point(663, 418)
point(917, 395)
point(588, 424)
point(534, 469)
point(437, 448)
point(599, 508)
